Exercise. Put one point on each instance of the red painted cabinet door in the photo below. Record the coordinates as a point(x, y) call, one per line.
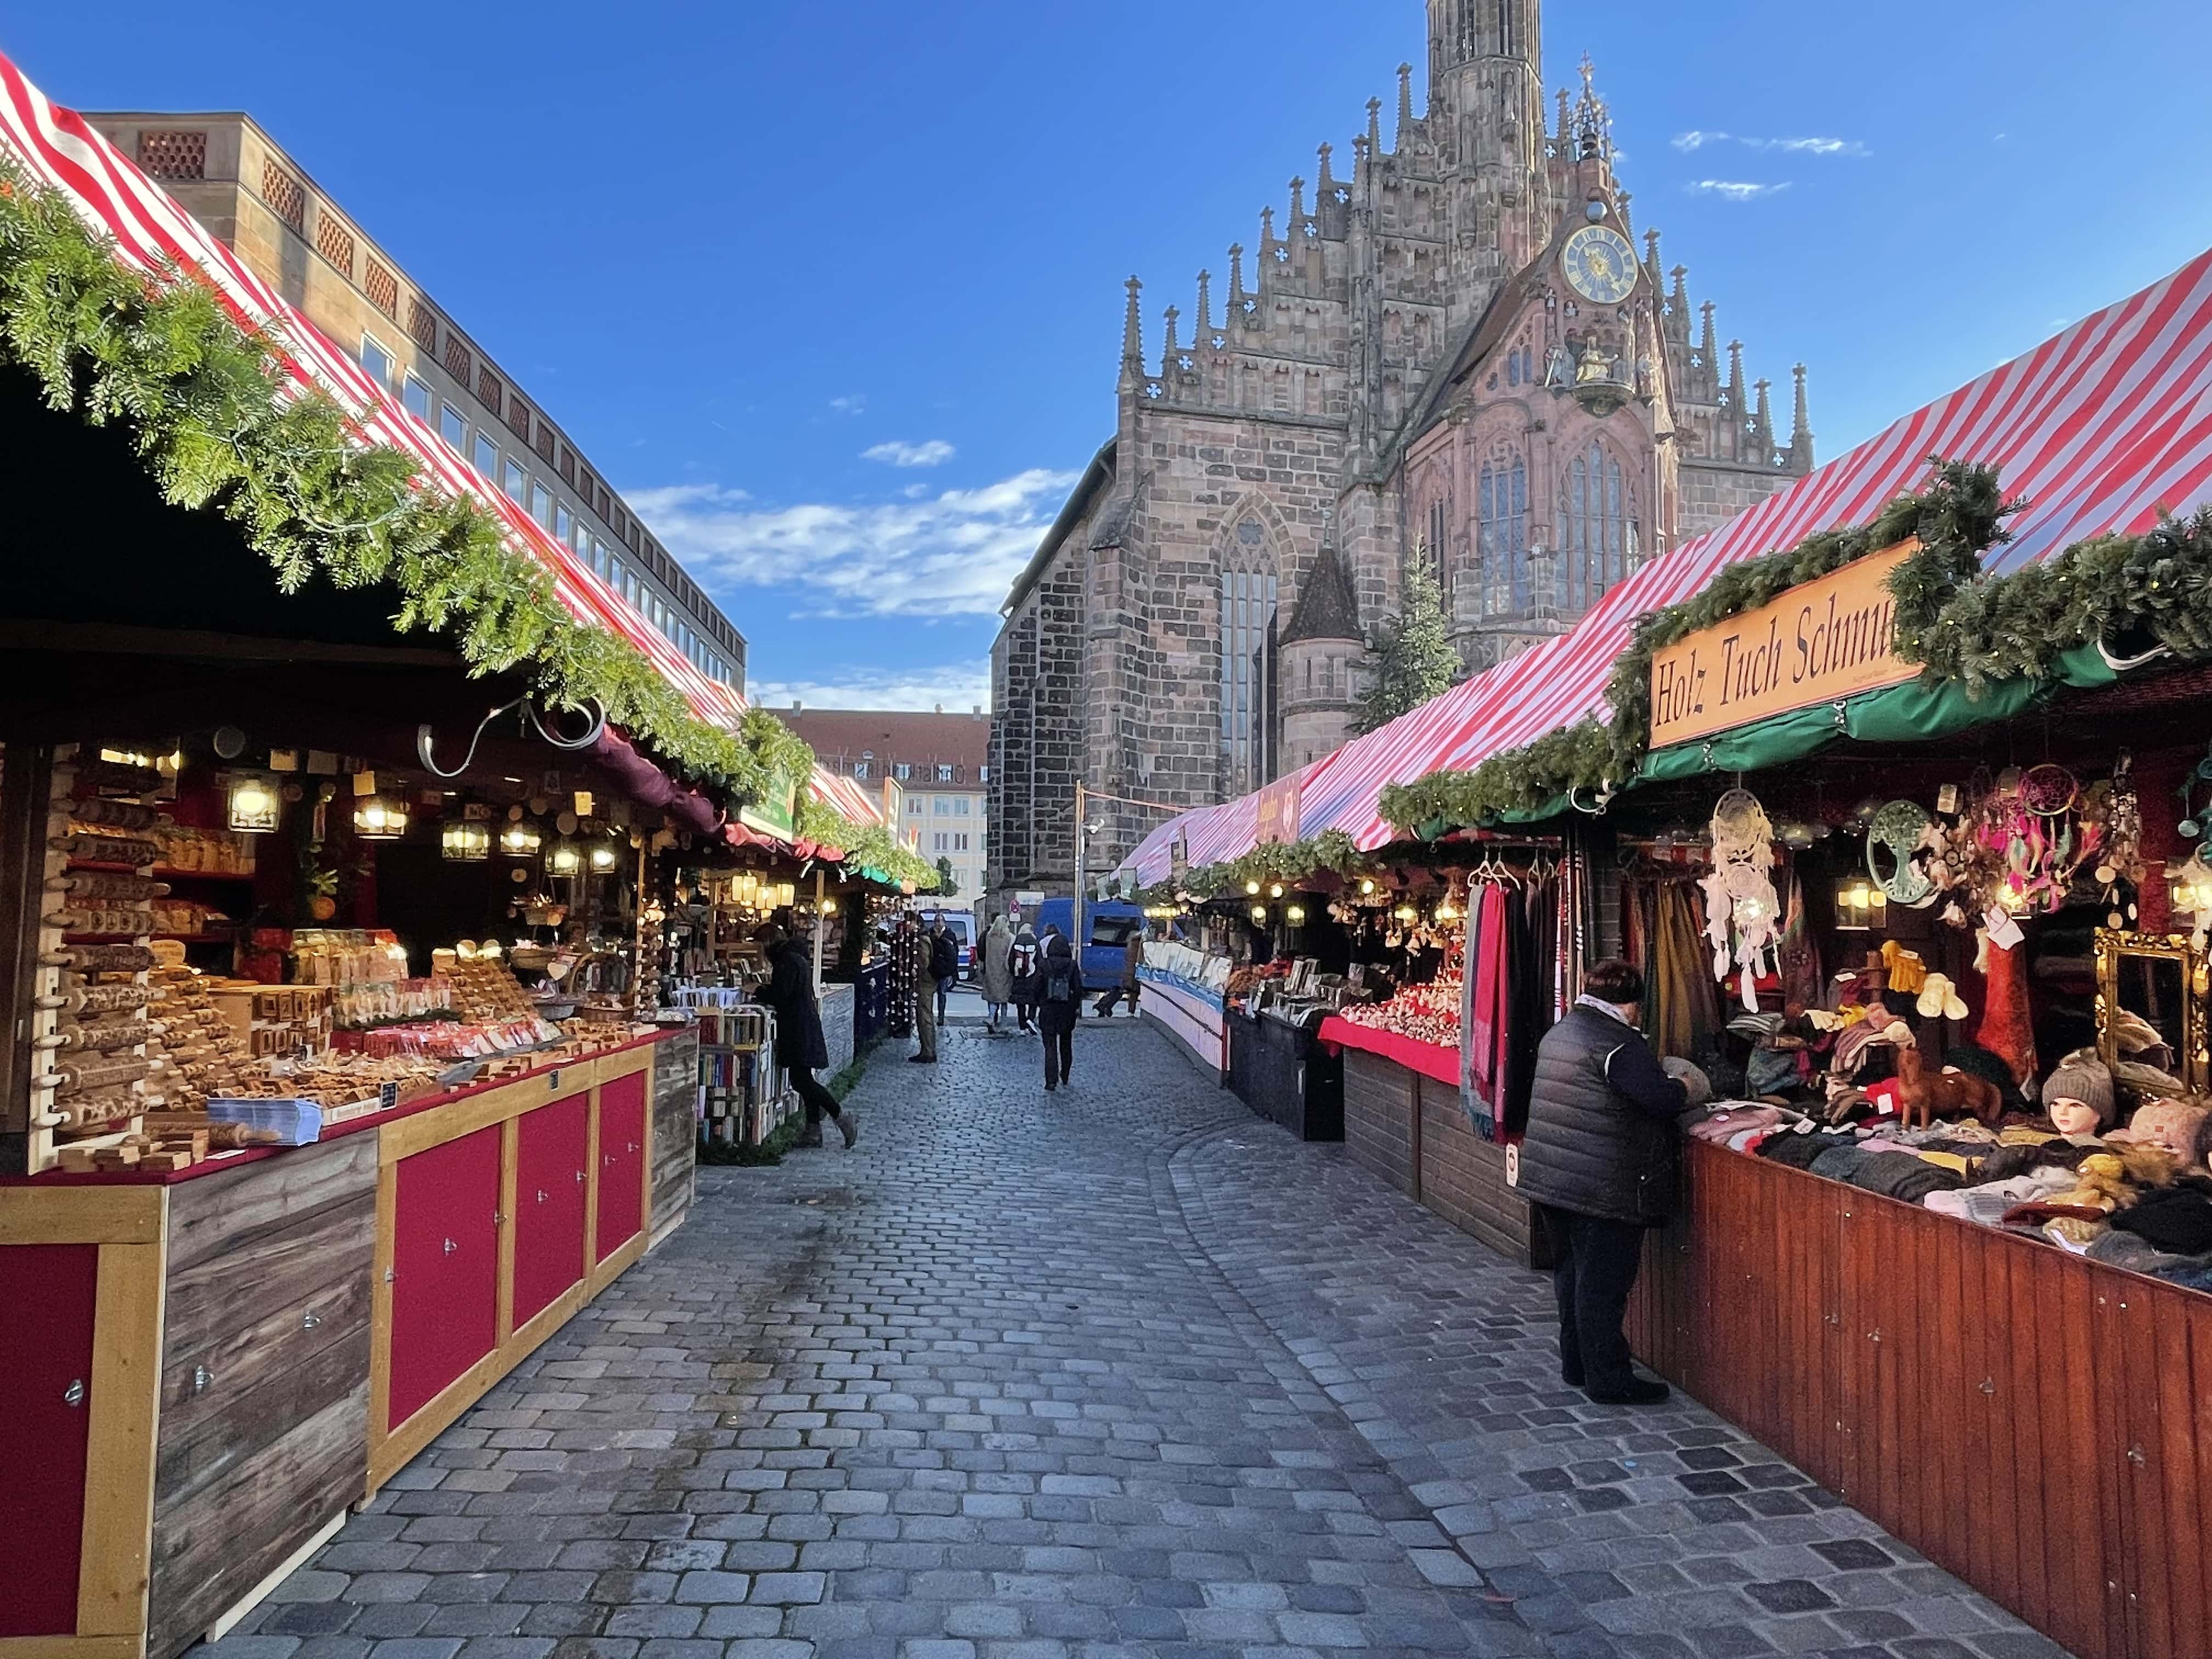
point(621, 1162)
point(445, 1286)
point(47, 1292)
point(552, 1159)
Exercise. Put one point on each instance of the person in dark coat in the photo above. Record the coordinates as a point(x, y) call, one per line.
point(1060, 1004)
point(943, 963)
point(790, 993)
point(1133, 957)
point(1599, 1165)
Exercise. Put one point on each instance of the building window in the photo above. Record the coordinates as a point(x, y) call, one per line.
point(913, 806)
point(1596, 530)
point(599, 556)
point(486, 457)
point(901, 771)
point(1247, 625)
point(1503, 535)
point(541, 504)
point(376, 362)
point(1439, 531)
point(940, 841)
point(416, 396)
point(564, 524)
point(940, 806)
point(983, 773)
point(961, 805)
point(944, 775)
point(515, 482)
point(960, 843)
point(860, 770)
point(454, 427)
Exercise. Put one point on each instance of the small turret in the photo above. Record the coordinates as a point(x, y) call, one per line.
point(1205, 307)
point(1171, 350)
point(1762, 422)
point(1800, 434)
point(1133, 333)
point(1405, 103)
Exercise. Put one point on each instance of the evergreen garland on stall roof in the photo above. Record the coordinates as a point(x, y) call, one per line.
point(218, 430)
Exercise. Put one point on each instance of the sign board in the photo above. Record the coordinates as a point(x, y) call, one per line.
point(1820, 643)
point(1277, 809)
point(1178, 859)
point(1028, 900)
point(775, 813)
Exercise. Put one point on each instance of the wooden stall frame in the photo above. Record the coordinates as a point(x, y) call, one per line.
point(123, 1397)
point(391, 1446)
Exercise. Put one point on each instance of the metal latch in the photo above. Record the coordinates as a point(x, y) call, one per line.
point(203, 1379)
point(310, 1320)
point(451, 1247)
point(74, 1394)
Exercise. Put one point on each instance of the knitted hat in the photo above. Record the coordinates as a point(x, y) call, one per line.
point(2082, 1076)
point(1695, 1083)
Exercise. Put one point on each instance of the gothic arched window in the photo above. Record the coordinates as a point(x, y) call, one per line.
point(1598, 529)
point(1503, 533)
point(1247, 650)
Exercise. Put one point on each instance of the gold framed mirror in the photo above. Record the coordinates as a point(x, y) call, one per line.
point(2151, 1006)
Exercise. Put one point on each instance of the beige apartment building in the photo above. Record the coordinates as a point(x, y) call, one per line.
point(934, 770)
point(233, 178)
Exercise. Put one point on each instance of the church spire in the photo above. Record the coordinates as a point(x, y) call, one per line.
point(1651, 267)
point(1762, 423)
point(1738, 418)
point(1236, 280)
point(1133, 333)
point(1374, 127)
point(1327, 186)
point(1405, 103)
point(1800, 435)
point(1205, 306)
point(1172, 350)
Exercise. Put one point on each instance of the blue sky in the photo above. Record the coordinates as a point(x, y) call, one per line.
point(834, 292)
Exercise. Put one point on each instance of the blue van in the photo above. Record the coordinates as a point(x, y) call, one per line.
point(1110, 922)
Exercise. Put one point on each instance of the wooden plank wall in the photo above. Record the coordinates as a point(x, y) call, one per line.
point(675, 1126)
point(1412, 1132)
point(2038, 1423)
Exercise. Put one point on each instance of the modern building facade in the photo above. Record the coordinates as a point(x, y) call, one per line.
point(937, 766)
point(1463, 352)
point(265, 207)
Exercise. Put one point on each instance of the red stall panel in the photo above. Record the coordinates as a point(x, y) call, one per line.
point(445, 1286)
point(621, 1162)
point(552, 1159)
point(47, 1292)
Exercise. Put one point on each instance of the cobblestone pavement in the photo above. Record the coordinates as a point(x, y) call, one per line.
point(1122, 1371)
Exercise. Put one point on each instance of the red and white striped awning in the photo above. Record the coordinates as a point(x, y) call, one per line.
point(56, 146)
point(2099, 429)
point(851, 799)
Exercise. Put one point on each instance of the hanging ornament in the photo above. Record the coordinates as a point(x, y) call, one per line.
point(1743, 912)
point(1900, 830)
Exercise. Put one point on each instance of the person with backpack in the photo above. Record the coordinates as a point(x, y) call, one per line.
point(1060, 1004)
point(943, 963)
point(1026, 959)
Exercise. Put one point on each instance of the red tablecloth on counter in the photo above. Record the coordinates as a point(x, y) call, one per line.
point(1426, 1058)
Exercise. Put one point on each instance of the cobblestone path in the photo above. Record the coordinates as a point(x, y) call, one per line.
point(1122, 1371)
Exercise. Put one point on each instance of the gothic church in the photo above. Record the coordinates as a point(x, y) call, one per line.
point(1455, 353)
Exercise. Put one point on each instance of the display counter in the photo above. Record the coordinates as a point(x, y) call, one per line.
point(1189, 1012)
point(1409, 1127)
point(1283, 1072)
point(2036, 1423)
point(218, 1362)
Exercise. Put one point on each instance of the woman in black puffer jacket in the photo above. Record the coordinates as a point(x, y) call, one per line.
point(1599, 1166)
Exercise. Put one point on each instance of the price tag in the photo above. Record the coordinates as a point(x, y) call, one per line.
point(387, 1095)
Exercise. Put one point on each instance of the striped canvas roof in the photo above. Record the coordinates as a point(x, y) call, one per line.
point(842, 795)
point(56, 146)
point(2098, 428)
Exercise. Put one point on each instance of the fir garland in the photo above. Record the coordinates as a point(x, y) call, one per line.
point(1291, 863)
point(866, 846)
point(218, 430)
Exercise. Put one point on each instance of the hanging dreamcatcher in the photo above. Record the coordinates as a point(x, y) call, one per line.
point(1743, 912)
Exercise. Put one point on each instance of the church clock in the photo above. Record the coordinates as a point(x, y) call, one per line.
point(1600, 264)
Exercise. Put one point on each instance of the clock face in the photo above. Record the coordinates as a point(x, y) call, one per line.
point(1600, 264)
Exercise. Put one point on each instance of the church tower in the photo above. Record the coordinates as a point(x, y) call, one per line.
point(1486, 117)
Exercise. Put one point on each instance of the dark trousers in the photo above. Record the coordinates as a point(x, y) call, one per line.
point(1026, 1013)
point(1059, 1047)
point(1119, 993)
point(818, 1099)
point(1597, 1262)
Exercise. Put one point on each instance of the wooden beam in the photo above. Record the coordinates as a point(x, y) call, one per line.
point(39, 1214)
point(121, 641)
point(118, 1511)
point(25, 786)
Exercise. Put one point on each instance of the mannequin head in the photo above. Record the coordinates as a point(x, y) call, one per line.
point(2077, 1096)
point(2074, 1117)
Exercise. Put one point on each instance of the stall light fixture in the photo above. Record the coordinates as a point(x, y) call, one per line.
point(1276, 891)
point(1366, 889)
point(829, 906)
point(1252, 888)
point(786, 895)
point(1407, 913)
point(1860, 905)
point(519, 840)
point(604, 858)
point(1259, 915)
point(464, 842)
point(2189, 886)
point(1295, 915)
point(1447, 912)
point(254, 805)
point(564, 860)
point(376, 818)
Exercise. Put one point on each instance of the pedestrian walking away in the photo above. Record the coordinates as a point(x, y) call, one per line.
point(789, 993)
point(1025, 960)
point(998, 970)
point(911, 947)
point(1598, 1164)
point(1133, 957)
point(943, 964)
point(1060, 1004)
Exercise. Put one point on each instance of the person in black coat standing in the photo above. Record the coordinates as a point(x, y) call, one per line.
point(1060, 1004)
point(790, 992)
point(1599, 1165)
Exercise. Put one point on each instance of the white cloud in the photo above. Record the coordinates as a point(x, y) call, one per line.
point(960, 686)
point(855, 404)
point(1694, 140)
point(954, 554)
point(899, 452)
point(1736, 190)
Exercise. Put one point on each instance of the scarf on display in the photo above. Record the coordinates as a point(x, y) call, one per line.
point(1486, 1066)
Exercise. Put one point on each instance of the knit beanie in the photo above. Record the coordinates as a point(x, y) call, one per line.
point(1695, 1085)
point(2082, 1076)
